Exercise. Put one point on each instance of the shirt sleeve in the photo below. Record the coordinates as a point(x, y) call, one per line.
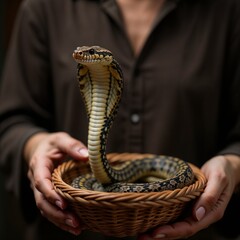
point(25, 91)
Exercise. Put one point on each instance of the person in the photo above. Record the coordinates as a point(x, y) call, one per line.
point(181, 66)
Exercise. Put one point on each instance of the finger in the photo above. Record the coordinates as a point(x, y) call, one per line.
point(42, 164)
point(216, 186)
point(40, 175)
point(63, 219)
point(209, 208)
point(178, 230)
point(191, 225)
point(71, 146)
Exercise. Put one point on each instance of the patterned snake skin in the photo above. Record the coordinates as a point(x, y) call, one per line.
point(101, 84)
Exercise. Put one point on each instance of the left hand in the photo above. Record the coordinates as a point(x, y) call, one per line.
point(222, 173)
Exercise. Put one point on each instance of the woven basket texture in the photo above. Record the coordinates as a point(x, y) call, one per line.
point(123, 214)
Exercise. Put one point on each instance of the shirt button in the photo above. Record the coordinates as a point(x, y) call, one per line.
point(135, 118)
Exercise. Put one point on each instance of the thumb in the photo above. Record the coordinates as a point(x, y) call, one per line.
point(209, 198)
point(71, 146)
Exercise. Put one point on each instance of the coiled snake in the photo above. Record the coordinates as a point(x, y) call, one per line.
point(101, 83)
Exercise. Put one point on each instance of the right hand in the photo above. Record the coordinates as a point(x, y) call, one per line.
point(43, 152)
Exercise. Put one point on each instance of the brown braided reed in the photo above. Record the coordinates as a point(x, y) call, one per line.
point(123, 214)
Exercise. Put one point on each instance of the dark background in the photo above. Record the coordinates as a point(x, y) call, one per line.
point(11, 224)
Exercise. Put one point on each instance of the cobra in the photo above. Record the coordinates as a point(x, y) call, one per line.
point(101, 84)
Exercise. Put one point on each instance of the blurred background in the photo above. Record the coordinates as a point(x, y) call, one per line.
point(11, 224)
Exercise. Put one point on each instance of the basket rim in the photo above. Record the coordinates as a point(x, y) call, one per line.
point(167, 197)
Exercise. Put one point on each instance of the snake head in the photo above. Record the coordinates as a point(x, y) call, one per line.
point(91, 55)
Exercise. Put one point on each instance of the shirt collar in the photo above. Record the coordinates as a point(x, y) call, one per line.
point(111, 8)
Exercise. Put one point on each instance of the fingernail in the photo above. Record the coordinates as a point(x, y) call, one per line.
point(200, 212)
point(160, 235)
point(69, 222)
point(83, 152)
point(59, 204)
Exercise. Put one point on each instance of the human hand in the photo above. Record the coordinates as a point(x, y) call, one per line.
point(43, 153)
point(222, 173)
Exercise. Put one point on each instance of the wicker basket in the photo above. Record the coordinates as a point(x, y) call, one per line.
point(123, 214)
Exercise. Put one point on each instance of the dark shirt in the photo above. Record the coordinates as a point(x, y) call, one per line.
point(181, 95)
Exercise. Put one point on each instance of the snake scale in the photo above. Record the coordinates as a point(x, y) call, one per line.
point(101, 83)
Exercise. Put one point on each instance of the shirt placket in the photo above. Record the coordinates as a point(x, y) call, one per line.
point(135, 118)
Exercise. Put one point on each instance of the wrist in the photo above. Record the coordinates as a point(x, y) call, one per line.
point(31, 145)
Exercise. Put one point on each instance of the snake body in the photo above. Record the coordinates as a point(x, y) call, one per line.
point(101, 83)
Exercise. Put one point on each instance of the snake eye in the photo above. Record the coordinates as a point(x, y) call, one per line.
point(91, 51)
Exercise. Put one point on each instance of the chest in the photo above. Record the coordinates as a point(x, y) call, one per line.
point(139, 20)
